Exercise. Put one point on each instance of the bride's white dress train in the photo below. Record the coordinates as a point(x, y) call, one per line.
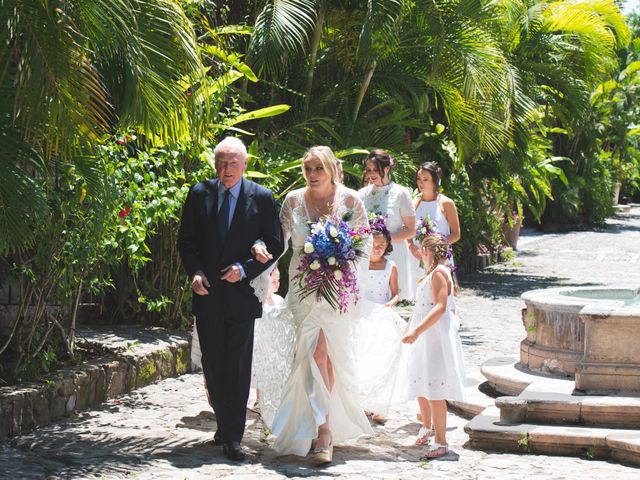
point(304, 400)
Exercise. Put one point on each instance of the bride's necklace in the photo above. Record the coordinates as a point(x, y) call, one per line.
point(324, 205)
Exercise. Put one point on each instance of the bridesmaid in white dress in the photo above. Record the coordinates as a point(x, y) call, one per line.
point(439, 208)
point(436, 364)
point(384, 197)
point(320, 399)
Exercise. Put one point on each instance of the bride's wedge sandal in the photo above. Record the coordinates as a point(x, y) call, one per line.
point(423, 436)
point(436, 450)
point(322, 456)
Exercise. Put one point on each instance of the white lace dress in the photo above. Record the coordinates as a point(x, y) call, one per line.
point(435, 367)
point(379, 347)
point(305, 401)
point(272, 354)
point(394, 202)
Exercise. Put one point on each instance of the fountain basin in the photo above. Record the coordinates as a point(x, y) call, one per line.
point(590, 333)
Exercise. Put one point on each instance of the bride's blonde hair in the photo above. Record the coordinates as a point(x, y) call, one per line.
point(327, 159)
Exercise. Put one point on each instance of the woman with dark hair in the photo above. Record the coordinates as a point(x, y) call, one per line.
point(392, 201)
point(438, 208)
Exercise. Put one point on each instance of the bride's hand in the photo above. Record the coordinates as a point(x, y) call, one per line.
point(261, 253)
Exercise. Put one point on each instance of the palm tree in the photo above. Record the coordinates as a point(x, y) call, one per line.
point(71, 74)
point(363, 66)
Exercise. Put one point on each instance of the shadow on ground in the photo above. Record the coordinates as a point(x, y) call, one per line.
point(506, 283)
point(67, 450)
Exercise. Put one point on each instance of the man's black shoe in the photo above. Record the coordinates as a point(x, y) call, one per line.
point(234, 451)
point(217, 441)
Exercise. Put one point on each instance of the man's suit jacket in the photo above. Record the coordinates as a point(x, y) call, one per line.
point(255, 217)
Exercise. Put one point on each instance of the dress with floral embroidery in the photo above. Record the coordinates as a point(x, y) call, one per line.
point(436, 364)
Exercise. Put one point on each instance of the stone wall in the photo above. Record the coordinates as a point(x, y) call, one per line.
point(140, 357)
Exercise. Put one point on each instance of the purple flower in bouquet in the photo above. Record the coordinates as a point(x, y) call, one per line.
point(327, 265)
point(424, 228)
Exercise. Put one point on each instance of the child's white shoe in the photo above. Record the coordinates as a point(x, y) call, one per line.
point(423, 436)
point(436, 450)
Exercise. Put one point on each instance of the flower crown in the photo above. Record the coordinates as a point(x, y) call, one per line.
point(379, 222)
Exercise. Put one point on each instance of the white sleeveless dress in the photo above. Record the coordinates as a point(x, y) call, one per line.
point(379, 346)
point(436, 364)
point(433, 211)
point(394, 202)
point(305, 401)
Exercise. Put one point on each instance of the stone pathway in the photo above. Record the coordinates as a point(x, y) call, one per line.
point(165, 430)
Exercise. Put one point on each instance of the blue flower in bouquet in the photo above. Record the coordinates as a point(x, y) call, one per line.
point(327, 265)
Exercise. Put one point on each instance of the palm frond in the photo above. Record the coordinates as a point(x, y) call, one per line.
point(280, 32)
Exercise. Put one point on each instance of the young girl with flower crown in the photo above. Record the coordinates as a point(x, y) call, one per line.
point(435, 364)
point(380, 328)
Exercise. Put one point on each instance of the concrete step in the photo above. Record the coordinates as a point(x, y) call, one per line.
point(487, 432)
point(557, 408)
point(506, 378)
point(475, 399)
point(543, 399)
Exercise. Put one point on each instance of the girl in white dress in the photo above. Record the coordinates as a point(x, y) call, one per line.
point(383, 197)
point(438, 208)
point(265, 332)
point(435, 366)
point(380, 329)
point(320, 401)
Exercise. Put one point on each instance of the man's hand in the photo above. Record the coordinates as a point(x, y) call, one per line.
point(231, 274)
point(261, 253)
point(199, 282)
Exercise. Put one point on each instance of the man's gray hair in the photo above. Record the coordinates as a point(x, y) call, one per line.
point(231, 144)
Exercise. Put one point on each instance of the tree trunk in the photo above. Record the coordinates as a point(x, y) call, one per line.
point(361, 94)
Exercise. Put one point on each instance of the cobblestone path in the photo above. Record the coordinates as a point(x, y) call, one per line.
point(165, 430)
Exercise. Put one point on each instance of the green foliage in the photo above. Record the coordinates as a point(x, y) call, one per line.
point(524, 442)
point(591, 452)
point(69, 73)
point(110, 109)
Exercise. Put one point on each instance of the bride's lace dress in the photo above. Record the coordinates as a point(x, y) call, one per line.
point(304, 400)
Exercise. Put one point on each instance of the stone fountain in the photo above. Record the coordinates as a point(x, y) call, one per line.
point(576, 388)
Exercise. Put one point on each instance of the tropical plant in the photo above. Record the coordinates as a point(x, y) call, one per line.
point(618, 114)
point(71, 72)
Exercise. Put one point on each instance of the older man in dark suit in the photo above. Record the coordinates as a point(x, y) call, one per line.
point(223, 221)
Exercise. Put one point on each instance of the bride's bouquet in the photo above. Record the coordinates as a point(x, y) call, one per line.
point(327, 264)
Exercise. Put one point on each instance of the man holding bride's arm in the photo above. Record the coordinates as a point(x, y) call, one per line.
point(221, 221)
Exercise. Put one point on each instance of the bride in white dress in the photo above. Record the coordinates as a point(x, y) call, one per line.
point(319, 402)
